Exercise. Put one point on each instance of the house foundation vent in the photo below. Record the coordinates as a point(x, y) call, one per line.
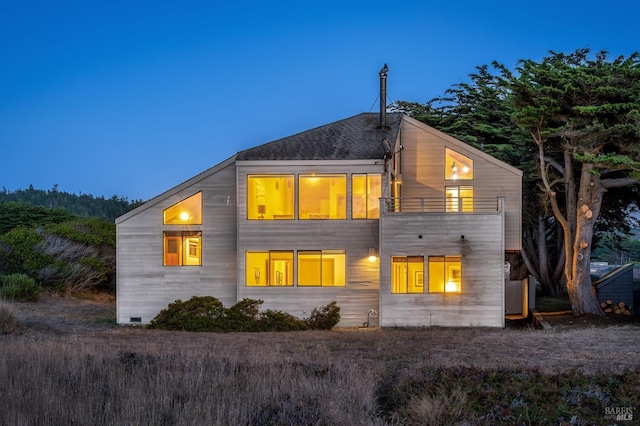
point(135, 319)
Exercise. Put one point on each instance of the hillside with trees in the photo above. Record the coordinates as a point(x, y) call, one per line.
point(57, 240)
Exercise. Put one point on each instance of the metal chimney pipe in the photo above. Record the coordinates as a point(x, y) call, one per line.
point(383, 95)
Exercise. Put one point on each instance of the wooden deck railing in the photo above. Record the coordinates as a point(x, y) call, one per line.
point(441, 205)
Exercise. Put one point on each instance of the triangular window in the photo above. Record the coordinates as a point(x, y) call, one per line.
point(185, 212)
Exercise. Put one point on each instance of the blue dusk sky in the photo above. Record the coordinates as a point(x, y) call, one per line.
point(131, 98)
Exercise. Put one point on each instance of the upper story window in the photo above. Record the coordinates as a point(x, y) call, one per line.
point(270, 197)
point(322, 197)
point(185, 212)
point(459, 198)
point(182, 248)
point(366, 190)
point(407, 274)
point(445, 274)
point(457, 166)
point(322, 268)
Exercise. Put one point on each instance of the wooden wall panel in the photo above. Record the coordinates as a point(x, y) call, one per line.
point(423, 174)
point(144, 285)
point(481, 301)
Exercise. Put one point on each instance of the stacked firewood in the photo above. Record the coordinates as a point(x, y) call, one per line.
point(619, 308)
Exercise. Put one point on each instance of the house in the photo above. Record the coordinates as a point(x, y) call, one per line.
point(377, 211)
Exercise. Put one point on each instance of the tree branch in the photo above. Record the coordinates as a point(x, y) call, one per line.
point(615, 183)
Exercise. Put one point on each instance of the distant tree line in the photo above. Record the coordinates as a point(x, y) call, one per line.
point(83, 205)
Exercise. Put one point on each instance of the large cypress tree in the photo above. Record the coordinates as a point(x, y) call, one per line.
point(583, 113)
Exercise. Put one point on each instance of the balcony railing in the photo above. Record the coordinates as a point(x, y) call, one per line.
point(441, 205)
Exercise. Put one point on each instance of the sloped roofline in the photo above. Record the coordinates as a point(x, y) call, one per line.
point(608, 278)
point(159, 198)
point(459, 143)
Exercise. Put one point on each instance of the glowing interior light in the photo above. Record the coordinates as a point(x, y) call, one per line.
point(184, 216)
point(454, 167)
point(455, 175)
point(451, 286)
point(465, 169)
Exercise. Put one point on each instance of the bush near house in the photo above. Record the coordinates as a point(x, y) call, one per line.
point(207, 313)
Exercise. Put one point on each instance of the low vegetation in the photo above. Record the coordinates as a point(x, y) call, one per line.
point(206, 313)
point(19, 288)
point(62, 363)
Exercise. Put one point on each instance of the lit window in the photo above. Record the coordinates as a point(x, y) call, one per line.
point(269, 268)
point(457, 166)
point(459, 198)
point(323, 197)
point(321, 268)
point(365, 196)
point(185, 212)
point(445, 274)
point(270, 197)
point(182, 248)
point(407, 274)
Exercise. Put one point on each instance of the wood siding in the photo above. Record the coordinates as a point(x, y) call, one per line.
point(354, 236)
point(422, 174)
point(481, 300)
point(144, 285)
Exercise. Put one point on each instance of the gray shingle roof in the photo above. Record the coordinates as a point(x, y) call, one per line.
point(353, 138)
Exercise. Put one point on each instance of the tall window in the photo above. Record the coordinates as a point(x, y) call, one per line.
point(321, 268)
point(322, 197)
point(269, 268)
point(445, 274)
point(185, 212)
point(183, 248)
point(459, 198)
point(407, 274)
point(270, 197)
point(366, 191)
point(457, 166)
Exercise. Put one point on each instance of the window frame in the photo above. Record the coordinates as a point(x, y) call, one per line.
point(370, 213)
point(413, 279)
point(322, 253)
point(450, 167)
point(187, 221)
point(183, 247)
point(451, 273)
point(320, 215)
point(263, 209)
point(269, 272)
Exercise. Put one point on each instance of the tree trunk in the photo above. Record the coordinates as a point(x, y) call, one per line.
point(581, 293)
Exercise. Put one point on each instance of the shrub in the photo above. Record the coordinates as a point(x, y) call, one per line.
point(243, 316)
point(8, 322)
point(200, 313)
point(19, 288)
point(280, 321)
point(324, 318)
point(206, 313)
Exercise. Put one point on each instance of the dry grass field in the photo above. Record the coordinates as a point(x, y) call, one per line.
point(64, 361)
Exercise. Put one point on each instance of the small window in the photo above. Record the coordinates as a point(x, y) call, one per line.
point(270, 197)
point(445, 274)
point(185, 212)
point(321, 268)
point(322, 197)
point(182, 248)
point(366, 191)
point(407, 274)
point(457, 166)
point(269, 268)
point(459, 198)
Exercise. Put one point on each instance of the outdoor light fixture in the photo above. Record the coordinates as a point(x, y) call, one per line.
point(373, 253)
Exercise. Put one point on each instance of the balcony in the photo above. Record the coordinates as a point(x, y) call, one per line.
point(457, 205)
